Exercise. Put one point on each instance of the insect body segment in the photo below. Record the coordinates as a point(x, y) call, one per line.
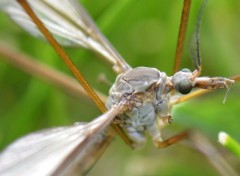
point(147, 93)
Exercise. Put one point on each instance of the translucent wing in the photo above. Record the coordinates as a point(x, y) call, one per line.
point(59, 151)
point(69, 23)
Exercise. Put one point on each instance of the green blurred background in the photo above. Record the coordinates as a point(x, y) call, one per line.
point(145, 33)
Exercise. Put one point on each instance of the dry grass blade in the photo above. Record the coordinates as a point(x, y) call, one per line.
point(43, 71)
point(201, 143)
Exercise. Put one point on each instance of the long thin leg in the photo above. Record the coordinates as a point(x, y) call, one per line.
point(203, 145)
point(56, 46)
point(171, 140)
point(70, 65)
point(181, 35)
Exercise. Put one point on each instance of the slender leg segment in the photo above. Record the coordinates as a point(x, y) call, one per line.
point(181, 35)
point(171, 140)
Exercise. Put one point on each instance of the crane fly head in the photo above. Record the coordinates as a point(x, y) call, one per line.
point(182, 81)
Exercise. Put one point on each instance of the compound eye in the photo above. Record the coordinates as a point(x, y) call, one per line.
point(184, 86)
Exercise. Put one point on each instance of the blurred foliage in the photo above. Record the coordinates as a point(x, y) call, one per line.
point(145, 33)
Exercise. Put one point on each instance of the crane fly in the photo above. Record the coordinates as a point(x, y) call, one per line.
point(140, 100)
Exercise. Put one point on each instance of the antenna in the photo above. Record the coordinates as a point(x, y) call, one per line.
point(196, 53)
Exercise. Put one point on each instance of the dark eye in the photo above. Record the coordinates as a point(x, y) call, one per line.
point(184, 86)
